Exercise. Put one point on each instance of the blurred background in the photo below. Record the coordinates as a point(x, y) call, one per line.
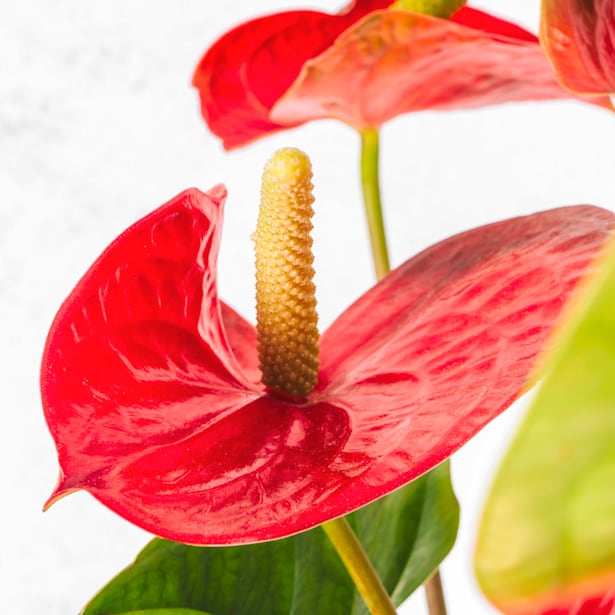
point(99, 125)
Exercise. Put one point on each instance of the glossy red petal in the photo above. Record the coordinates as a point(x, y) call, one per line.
point(243, 74)
point(579, 38)
point(393, 62)
point(411, 371)
point(241, 336)
point(137, 355)
point(446, 342)
point(255, 473)
point(491, 25)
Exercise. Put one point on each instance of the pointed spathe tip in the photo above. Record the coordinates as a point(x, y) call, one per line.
point(61, 489)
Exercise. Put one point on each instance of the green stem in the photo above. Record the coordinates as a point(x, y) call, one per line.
point(365, 578)
point(371, 198)
point(370, 183)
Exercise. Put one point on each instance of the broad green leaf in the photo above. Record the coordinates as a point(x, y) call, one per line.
point(406, 535)
point(165, 612)
point(547, 539)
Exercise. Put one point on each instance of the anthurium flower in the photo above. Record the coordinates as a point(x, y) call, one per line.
point(152, 389)
point(579, 38)
point(364, 66)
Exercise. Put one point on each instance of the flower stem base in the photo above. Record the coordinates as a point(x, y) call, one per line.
point(359, 567)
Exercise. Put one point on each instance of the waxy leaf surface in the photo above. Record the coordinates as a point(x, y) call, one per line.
point(579, 38)
point(164, 612)
point(547, 539)
point(364, 67)
point(151, 389)
point(406, 535)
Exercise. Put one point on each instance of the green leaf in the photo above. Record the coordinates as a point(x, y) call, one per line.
point(547, 539)
point(406, 535)
point(165, 612)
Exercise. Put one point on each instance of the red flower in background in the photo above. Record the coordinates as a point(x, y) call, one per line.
point(579, 38)
point(152, 393)
point(364, 67)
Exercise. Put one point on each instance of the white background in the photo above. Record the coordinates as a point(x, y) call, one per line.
point(99, 125)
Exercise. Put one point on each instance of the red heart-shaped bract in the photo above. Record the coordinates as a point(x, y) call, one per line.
point(579, 38)
point(397, 62)
point(242, 74)
point(364, 66)
point(150, 384)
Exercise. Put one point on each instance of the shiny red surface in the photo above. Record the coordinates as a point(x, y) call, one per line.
point(151, 390)
point(243, 73)
point(364, 67)
point(397, 62)
point(579, 37)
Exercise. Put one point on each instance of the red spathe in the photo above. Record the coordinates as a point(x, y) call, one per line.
point(365, 66)
point(151, 390)
point(579, 38)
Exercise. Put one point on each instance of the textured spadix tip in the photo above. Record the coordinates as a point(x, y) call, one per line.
point(288, 165)
point(286, 319)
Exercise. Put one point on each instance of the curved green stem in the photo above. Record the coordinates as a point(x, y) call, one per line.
point(370, 183)
point(371, 198)
point(359, 567)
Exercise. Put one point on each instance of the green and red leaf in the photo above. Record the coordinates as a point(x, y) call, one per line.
point(547, 540)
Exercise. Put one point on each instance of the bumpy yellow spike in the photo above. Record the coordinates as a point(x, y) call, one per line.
point(287, 323)
point(436, 8)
